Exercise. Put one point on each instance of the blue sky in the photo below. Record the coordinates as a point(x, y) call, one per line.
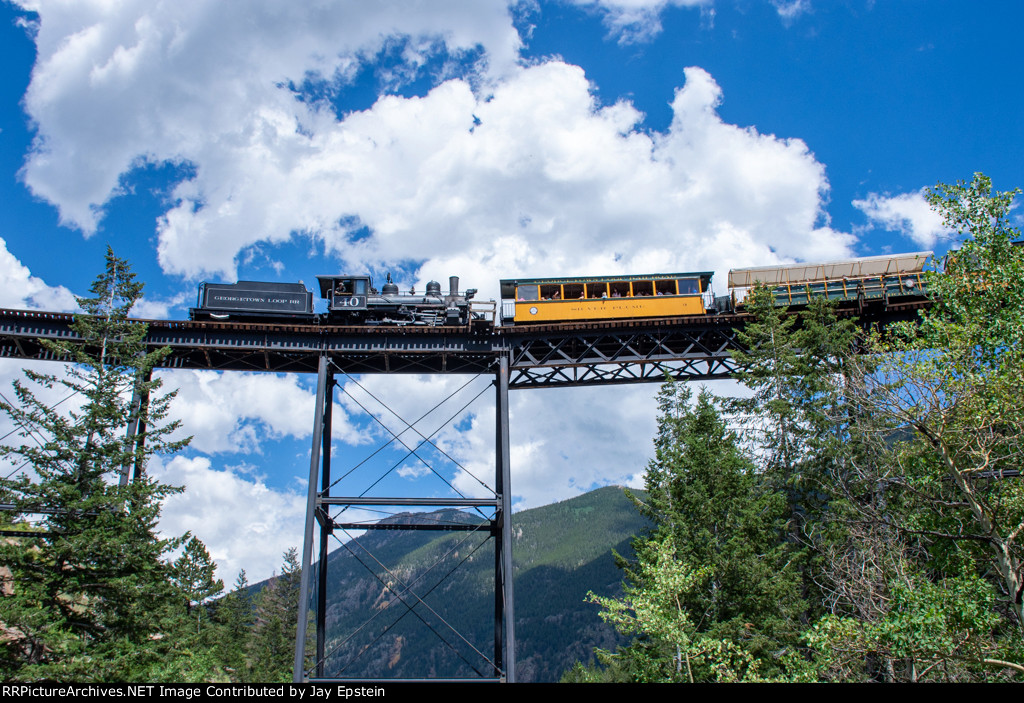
point(484, 138)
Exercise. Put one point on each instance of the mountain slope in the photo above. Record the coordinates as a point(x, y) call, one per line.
point(375, 627)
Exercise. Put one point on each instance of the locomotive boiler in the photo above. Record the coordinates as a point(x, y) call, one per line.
point(352, 300)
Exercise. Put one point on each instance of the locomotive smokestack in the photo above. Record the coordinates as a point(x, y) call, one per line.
point(453, 285)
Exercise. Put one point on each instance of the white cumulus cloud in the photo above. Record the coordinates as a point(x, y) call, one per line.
point(237, 412)
point(636, 20)
point(534, 177)
point(20, 289)
point(516, 170)
point(907, 213)
point(119, 84)
point(242, 522)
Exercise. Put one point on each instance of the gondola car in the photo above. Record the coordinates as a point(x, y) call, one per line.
point(868, 278)
point(539, 300)
point(257, 301)
point(352, 300)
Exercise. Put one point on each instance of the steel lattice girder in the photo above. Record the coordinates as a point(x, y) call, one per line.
point(623, 356)
point(622, 373)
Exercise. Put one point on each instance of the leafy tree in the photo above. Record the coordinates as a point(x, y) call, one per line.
point(934, 496)
point(929, 631)
point(88, 594)
point(955, 384)
point(713, 592)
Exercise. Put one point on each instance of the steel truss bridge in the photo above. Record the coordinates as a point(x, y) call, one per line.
point(519, 357)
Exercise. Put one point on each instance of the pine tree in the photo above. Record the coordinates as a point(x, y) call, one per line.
point(90, 590)
point(713, 594)
point(234, 614)
point(271, 646)
point(795, 364)
point(194, 573)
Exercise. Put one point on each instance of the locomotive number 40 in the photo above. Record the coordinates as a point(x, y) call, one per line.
point(350, 301)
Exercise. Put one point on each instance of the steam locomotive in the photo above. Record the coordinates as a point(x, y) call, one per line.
point(351, 300)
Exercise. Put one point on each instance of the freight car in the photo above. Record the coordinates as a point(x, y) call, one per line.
point(868, 278)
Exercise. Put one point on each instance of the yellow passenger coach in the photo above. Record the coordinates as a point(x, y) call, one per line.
point(538, 300)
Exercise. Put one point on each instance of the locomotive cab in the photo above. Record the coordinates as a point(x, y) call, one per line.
point(345, 293)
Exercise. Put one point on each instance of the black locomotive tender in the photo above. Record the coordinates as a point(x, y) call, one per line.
point(351, 300)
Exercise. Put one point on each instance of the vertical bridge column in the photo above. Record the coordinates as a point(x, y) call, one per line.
point(321, 449)
point(136, 433)
point(319, 501)
point(504, 612)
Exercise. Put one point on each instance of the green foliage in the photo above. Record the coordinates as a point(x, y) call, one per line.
point(233, 615)
point(712, 595)
point(654, 608)
point(271, 646)
point(932, 632)
point(924, 562)
point(90, 595)
point(193, 573)
point(979, 299)
point(954, 382)
point(794, 364)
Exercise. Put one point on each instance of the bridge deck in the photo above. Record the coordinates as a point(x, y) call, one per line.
point(546, 355)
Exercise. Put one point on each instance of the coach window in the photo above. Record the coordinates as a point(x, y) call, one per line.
point(573, 291)
point(665, 287)
point(619, 289)
point(527, 293)
point(689, 286)
point(643, 288)
point(597, 290)
point(551, 292)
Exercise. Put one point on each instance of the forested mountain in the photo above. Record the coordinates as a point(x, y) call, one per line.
point(560, 552)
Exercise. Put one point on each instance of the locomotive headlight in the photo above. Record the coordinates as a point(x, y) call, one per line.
point(470, 293)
